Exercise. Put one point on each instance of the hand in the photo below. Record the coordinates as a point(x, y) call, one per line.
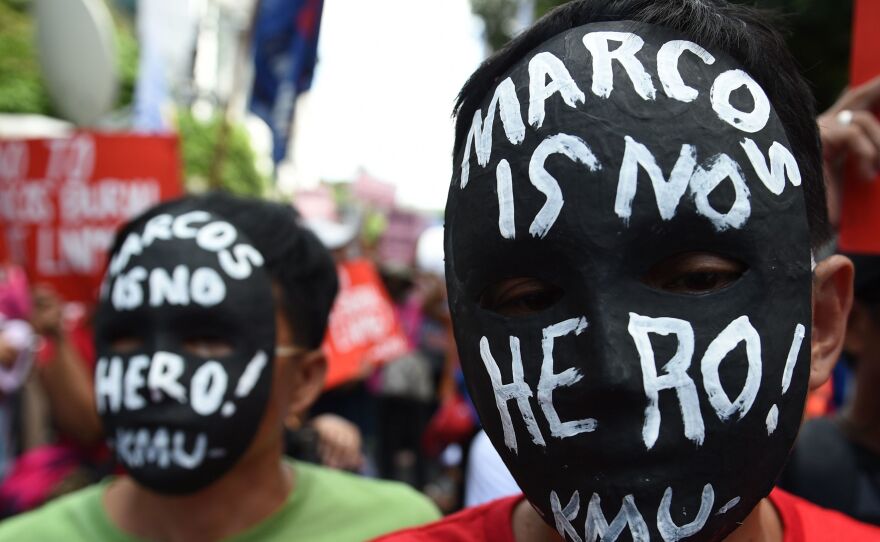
point(850, 133)
point(46, 317)
point(339, 442)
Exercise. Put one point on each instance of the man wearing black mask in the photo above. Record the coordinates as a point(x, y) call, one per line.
point(636, 204)
point(208, 334)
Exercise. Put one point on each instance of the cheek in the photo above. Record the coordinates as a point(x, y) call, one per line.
point(281, 390)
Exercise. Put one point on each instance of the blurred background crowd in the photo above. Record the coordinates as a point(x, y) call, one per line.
point(341, 108)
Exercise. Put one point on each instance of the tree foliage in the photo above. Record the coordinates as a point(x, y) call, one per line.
point(21, 85)
point(127, 52)
point(238, 173)
point(497, 17)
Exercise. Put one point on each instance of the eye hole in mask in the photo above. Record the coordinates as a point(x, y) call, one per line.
point(695, 273)
point(126, 344)
point(520, 296)
point(206, 346)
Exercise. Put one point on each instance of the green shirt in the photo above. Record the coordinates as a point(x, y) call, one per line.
point(325, 505)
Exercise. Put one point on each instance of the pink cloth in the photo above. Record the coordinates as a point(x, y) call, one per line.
point(34, 477)
point(15, 299)
point(19, 335)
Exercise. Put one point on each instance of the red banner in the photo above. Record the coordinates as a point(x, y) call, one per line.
point(363, 330)
point(61, 201)
point(860, 210)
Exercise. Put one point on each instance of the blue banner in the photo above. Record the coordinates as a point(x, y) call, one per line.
point(285, 53)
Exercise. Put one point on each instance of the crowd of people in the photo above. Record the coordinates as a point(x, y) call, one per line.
point(641, 291)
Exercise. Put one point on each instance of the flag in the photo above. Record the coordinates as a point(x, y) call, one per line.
point(285, 45)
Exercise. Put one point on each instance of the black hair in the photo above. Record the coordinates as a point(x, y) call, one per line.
point(294, 258)
point(745, 33)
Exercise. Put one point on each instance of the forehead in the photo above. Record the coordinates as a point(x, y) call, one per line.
point(192, 238)
point(186, 264)
point(615, 133)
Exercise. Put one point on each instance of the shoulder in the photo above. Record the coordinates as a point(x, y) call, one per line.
point(490, 521)
point(366, 491)
point(805, 522)
point(344, 491)
point(327, 504)
point(65, 518)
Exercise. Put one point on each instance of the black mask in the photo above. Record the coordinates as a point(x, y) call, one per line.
point(627, 405)
point(179, 420)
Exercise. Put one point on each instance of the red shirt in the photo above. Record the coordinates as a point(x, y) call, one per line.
point(492, 521)
point(802, 522)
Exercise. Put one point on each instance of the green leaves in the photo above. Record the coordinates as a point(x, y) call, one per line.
point(238, 172)
point(21, 85)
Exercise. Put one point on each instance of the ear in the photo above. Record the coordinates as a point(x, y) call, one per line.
point(832, 300)
point(306, 385)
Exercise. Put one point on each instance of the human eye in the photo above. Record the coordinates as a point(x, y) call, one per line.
point(520, 296)
point(695, 273)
